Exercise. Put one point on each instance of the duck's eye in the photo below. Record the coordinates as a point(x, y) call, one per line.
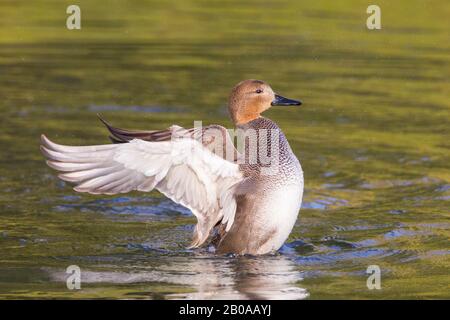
point(258, 91)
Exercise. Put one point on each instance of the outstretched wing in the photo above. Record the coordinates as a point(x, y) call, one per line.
point(182, 169)
point(214, 137)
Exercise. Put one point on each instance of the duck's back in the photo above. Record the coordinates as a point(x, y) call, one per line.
point(269, 199)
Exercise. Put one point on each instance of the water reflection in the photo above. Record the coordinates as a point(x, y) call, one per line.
point(207, 277)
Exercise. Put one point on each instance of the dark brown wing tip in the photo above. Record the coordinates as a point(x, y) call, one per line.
point(107, 125)
point(118, 135)
point(102, 120)
point(115, 136)
point(115, 140)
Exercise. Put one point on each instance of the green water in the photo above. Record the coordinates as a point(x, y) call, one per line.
point(372, 136)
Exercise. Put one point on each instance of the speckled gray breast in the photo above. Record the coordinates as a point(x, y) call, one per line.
point(270, 154)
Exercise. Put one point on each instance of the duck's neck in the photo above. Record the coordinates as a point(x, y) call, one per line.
point(241, 120)
point(252, 123)
point(242, 114)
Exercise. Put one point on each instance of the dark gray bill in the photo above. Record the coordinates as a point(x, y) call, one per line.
point(282, 101)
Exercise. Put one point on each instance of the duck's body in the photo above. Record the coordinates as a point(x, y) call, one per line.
point(251, 203)
point(266, 212)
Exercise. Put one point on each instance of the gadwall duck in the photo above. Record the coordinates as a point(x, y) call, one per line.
point(246, 200)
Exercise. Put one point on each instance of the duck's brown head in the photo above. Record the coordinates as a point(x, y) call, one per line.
point(250, 98)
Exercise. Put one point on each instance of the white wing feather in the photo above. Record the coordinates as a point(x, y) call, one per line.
point(182, 169)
